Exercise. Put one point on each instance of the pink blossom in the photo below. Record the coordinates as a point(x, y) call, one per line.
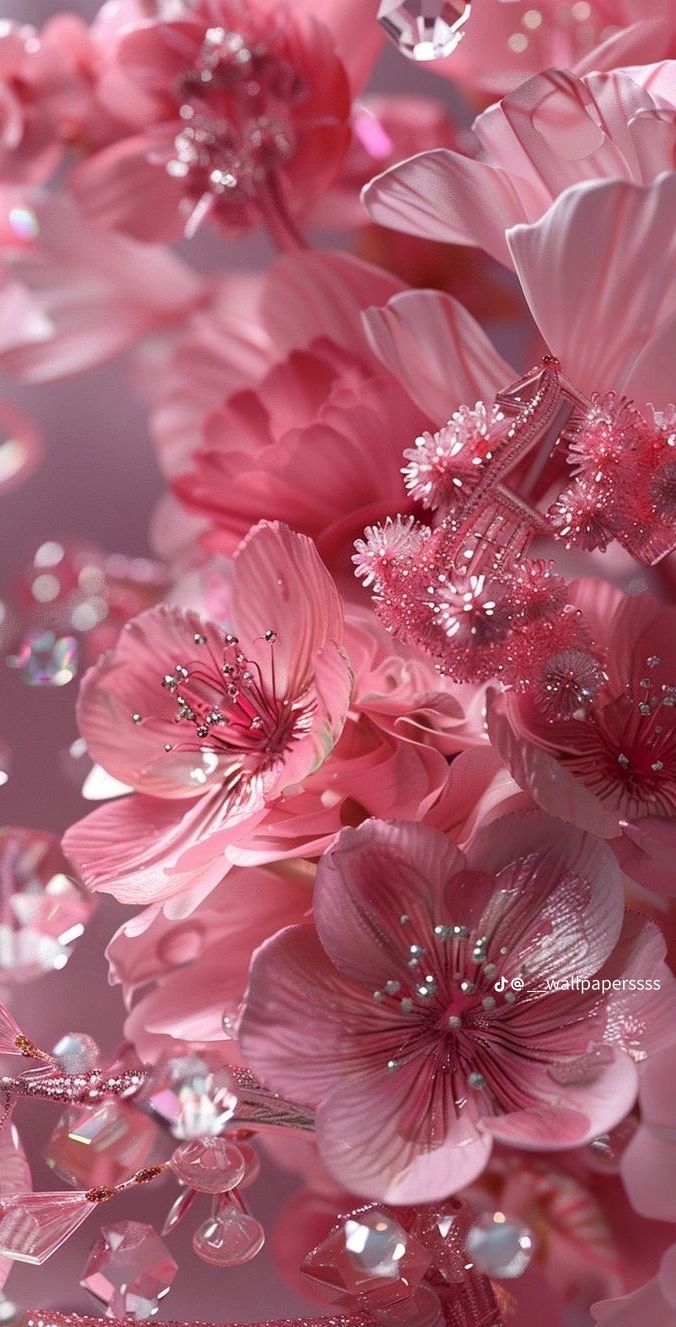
point(240, 115)
point(654, 1303)
point(179, 975)
point(649, 1163)
point(208, 727)
point(73, 295)
point(553, 131)
point(387, 1019)
point(609, 768)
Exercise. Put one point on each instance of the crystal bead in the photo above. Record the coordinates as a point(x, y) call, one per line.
point(211, 1165)
point(99, 1146)
point(369, 1260)
point(229, 1239)
point(423, 1310)
point(46, 660)
point(76, 1053)
point(44, 908)
point(129, 1270)
point(194, 1094)
point(498, 1246)
point(424, 29)
point(252, 1164)
point(34, 1225)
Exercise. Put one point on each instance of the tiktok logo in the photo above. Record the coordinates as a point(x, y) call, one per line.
point(501, 984)
point(517, 984)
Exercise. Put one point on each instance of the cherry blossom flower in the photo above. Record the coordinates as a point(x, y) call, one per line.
point(553, 131)
point(608, 768)
point(206, 726)
point(237, 113)
point(388, 1020)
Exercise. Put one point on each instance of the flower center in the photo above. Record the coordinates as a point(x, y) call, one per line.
point(224, 706)
point(235, 108)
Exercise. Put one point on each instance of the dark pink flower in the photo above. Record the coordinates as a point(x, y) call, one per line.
point(388, 1020)
point(610, 766)
point(240, 113)
point(209, 727)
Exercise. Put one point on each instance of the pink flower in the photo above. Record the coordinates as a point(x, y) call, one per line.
point(649, 1163)
point(552, 131)
point(387, 1018)
point(507, 42)
point(207, 727)
point(654, 1303)
point(73, 295)
point(180, 974)
point(241, 115)
point(610, 767)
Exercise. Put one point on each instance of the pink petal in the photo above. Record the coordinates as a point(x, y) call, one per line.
point(432, 345)
point(393, 1140)
point(133, 847)
point(649, 1173)
point(280, 584)
point(563, 264)
point(444, 196)
point(120, 189)
point(365, 883)
point(128, 681)
point(356, 37)
point(571, 1115)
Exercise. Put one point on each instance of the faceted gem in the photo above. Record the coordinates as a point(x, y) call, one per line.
point(498, 1246)
point(423, 1310)
point(424, 29)
point(99, 1146)
point(34, 1225)
point(194, 1094)
point(129, 1270)
point(229, 1239)
point(46, 660)
point(212, 1165)
point(369, 1261)
point(604, 1154)
point(76, 1053)
point(44, 907)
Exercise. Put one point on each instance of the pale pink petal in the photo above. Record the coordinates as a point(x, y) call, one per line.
point(649, 1171)
point(394, 1141)
point(569, 1115)
point(119, 188)
point(643, 1306)
point(432, 345)
point(312, 295)
point(564, 264)
point(444, 196)
point(128, 681)
point(280, 584)
point(367, 881)
point(356, 36)
point(133, 847)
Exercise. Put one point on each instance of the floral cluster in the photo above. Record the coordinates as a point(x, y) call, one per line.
point(383, 730)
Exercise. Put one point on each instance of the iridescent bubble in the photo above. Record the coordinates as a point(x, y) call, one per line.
point(45, 660)
point(21, 447)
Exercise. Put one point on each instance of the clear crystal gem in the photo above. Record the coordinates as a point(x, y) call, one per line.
point(129, 1270)
point(252, 1164)
point(34, 1225)
point(370, 1260)
point(499, 1246)
point(424, 29)
point(99, 1146)
point(46, 660)
point(212, 1165)
point(76, 1053)
point(423, 1310)
point(229, 1239)
point(44, 908)
point(194, 1094)
point(604, 1154)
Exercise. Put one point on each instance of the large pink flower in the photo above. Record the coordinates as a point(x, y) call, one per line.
point(387, 1018)
point(610, 768)
point(241, 114)
point(209, 727)
point(649, 1163)
point(553, 131)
